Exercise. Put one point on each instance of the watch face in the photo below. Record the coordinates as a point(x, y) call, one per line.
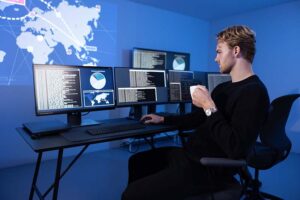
point(208, 112)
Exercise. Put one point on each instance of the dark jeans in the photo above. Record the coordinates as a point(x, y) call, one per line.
point(164, 173)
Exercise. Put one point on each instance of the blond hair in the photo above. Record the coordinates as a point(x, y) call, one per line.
point(241, 36)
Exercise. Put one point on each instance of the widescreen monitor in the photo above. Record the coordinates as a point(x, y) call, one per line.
point(215, 78)
point(179, 85)
point(72, 90)
point(149, 59)
point(140, 86)
point(159, 59)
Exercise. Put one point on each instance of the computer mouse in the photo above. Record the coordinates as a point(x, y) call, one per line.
point(146, 119)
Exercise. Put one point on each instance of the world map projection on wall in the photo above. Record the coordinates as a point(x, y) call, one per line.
point(73, 32)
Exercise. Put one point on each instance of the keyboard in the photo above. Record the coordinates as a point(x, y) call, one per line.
point(105, 129)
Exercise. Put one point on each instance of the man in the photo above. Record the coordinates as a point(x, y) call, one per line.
point(227, 126)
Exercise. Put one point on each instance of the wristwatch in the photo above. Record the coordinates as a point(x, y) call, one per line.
point(210, 111)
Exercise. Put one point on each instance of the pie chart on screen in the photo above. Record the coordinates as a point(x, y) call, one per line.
point(98, 80)
point(178, 63)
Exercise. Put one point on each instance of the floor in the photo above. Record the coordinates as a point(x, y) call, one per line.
point(103, 175)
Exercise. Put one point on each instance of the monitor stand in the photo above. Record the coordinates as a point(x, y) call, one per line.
point(74, 119)
point(136, 112)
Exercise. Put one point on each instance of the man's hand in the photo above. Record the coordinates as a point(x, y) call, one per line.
point(152, 119)
point(202, 99)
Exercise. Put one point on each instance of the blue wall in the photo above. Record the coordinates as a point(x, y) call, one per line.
point(137, 26)
point(277, 58)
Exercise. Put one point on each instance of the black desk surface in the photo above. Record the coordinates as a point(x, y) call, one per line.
point(59, 140)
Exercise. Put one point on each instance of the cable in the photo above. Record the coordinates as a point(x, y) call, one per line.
point(168, 136)
point(84, 114)
point(178, 107)
point(132, 144)
point(129, 144)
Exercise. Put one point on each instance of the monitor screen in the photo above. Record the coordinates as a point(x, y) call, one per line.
point(149, 59)
point(140, 86)
point(179, 85)
point(67, 89)
point(215, 78)
point(178, 61)
point(159, 59)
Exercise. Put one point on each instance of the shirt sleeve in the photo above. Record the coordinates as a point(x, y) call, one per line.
point(187, 121)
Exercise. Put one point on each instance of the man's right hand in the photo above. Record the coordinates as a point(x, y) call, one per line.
point(152, 119)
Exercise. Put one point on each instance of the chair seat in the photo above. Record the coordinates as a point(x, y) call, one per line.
point(262, 157)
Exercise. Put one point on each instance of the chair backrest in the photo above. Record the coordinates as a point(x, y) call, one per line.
point(273, 133)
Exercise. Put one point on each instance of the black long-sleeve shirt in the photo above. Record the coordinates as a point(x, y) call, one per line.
point(233, 129)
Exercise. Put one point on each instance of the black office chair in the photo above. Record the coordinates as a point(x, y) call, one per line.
point(274, 145)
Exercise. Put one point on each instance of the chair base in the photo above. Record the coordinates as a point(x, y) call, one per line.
point(252, 189)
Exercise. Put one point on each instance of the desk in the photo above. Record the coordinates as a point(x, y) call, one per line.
point(59, 142)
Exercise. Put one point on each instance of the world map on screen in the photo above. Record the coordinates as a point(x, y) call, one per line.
point(69, 32)
point(98, 98)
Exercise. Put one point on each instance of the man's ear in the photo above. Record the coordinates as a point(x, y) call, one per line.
point(236, 50)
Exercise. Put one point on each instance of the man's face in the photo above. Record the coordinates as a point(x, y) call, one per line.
point(225, 57)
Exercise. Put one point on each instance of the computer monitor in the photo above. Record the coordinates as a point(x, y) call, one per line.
point(201, 77)
point(140, 86)
point(179, 85)
point(159, 59)
point(215, 78)
point(72, 89)
point(149, 59)
point(178, 61)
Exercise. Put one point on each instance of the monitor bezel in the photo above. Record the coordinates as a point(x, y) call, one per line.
point(72, 110)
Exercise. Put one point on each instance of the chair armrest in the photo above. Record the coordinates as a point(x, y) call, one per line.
point(222, 162)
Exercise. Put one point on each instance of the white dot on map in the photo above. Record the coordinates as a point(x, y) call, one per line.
point(40, 38)
point(16, 9)
point(58, 14)
point(30, 49)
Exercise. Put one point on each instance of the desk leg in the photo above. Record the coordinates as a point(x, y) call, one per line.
point(36, 173)
point(57, 174)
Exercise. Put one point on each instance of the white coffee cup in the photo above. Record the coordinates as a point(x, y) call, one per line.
point(192, 89)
